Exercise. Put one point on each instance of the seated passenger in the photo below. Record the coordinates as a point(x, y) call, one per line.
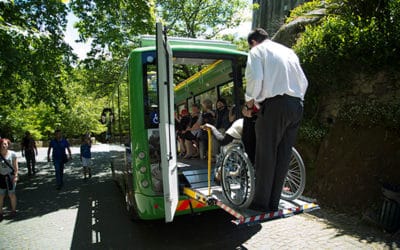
point(222, 116)
point(192, 132)
point(182, 121)
point(222, 121)
point(208, 116)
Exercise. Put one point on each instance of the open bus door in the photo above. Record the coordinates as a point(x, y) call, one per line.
point(167, 127)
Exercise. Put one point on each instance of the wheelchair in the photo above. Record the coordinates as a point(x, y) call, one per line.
point(235, 173)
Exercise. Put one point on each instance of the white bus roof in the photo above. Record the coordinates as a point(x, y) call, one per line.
point(149, 40)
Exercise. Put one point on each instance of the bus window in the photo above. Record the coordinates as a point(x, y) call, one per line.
point(226, 92)
point(211, 95)
point(190, 102)
point(150, 96)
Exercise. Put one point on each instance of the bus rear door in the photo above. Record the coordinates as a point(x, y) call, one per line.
point(167, 127)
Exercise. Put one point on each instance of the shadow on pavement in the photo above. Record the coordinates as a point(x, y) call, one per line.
point(103, 223)
point(37, 194)
point(356, 227)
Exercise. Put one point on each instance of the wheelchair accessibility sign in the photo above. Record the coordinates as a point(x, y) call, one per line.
point(154, 117)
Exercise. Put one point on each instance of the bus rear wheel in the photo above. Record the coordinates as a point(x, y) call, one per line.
point(130, 206)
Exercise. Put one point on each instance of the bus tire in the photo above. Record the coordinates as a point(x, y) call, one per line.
point(130, 205)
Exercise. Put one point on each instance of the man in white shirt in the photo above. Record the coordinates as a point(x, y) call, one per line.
point(275, 90)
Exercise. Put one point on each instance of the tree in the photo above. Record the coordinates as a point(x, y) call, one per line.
point(113, 25)
point(200, 18)
point(34, 59)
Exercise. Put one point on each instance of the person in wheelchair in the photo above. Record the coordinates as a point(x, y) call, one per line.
point(234, 132)
point(241, 130)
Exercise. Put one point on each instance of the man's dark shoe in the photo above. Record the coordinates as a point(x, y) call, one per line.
point(1, 217)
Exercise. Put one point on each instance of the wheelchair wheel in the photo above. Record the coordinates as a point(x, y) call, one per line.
point(237, 178)
point(295, 180)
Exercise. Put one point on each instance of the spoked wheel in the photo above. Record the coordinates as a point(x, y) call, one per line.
point(237, 178)
point(295, 180)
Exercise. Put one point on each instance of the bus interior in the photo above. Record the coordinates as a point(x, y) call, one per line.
point(197, 78)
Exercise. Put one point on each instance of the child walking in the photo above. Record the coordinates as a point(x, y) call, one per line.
point(85, 156)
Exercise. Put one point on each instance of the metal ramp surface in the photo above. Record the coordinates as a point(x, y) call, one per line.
point(214, 196)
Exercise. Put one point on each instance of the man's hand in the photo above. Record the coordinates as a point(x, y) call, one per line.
point(249, 104)
point(207, 125)
point(247, 112)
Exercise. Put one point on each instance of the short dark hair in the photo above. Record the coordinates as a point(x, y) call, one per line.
point(258, 35)
point(222, 100)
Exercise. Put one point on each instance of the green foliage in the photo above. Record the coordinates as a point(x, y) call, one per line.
point(200, 18)
point(83, 114)
point(101, 76)
point(34, 63)
point(35, 119)
point(371, 113)
point(112, 25)
point(312, 132)
point(354, 36)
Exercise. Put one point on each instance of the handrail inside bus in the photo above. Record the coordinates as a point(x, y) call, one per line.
point(197, 75)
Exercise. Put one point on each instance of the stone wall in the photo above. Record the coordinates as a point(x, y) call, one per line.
point(272, 13)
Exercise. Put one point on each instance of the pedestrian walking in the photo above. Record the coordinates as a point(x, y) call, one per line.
point(59, 145)
point(275, 89)
point(85, 156)
point(29, 150)
point(8, 176)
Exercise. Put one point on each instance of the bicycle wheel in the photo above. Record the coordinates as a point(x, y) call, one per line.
point(237, 178)
point(295, 180)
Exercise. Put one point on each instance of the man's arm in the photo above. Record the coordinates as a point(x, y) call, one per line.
point(22, 148)
point(254, 76)
point(35, 148)
point(69, 152)
point(223, 139)
point(48, 152)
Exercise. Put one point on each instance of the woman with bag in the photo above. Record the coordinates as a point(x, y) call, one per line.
point(59, 145)
point(8, 176)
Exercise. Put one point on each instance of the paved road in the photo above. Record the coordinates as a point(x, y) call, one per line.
point(90, 215)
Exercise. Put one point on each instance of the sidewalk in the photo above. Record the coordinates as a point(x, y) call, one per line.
point(90, 215)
